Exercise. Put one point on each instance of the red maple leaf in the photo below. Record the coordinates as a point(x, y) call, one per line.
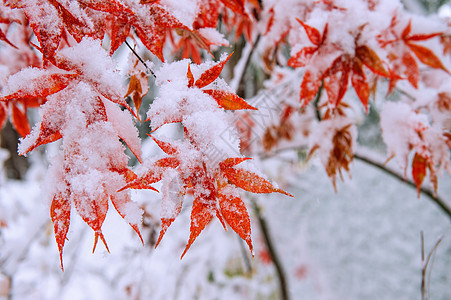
point(335, 77)
point(405, 62)
point(215, 194)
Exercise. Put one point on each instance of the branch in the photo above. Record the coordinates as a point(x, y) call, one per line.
point(140, 59)
point(246, 64)
point(426, 191)
point(271, 250)
point(316, 101)
point(437, 199)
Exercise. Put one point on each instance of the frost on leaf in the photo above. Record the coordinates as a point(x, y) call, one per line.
point(82, 109)
point(235, 213)
point(194, 96)
point(335, 74)
point(414, 133)
point(60, 214)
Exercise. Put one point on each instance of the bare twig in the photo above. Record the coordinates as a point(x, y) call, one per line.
point(246, 65)
point(140, 59)
point(316, 101)
point(425, 275)
point(272, 251)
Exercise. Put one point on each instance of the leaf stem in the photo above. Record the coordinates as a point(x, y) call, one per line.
point(425, 276)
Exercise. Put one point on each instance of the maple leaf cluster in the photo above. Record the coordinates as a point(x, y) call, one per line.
point(360, 54)
point(54, 56)
point(73, 80)
point(200, 164)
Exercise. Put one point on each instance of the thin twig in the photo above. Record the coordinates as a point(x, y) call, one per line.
point(140, 59)
point(10, 287)
point(439, 201)
point(246, 65)
point(424, 271)
point(245, 256)
point(272, 251)
point(316, 101)
point(425, 191)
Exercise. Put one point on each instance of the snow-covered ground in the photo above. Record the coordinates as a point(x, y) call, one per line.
point(361, 243)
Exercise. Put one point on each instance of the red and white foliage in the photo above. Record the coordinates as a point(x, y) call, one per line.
point(54, 56)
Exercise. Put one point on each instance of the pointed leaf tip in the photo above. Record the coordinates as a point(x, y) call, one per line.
point(235, 214)
point(419, 168)
point(313, 34)
point(165, 146)
point(228, 100)
point(211, 74)
point(201, 215)
point(249, 181)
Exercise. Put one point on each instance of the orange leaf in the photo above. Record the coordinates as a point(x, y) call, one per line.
point(42, 86)
point(228, 100)
point(74, 26)
point(190, 76)
point(128, 174)
point(371, 60)
point(60, 214)
point(235, 5)
point(412, 73)
point(309, 87)
point(201, 215)
point(165, 146)
point(211, 74)
point(153, 175)
point(360, 84)
point(230, 162)
point(122, 203)
point(138, 184)
point(235, 214)
point(110, 6)
point(405, 33)
point(47, 134)
point(313, 34)
point(3, 115)
point(135, 87)
point(50, 30)
point(419, 167)
point(336, 80)
point(301, 58)
point(167, 162)
point(166, 222)
point(426, 56)
point(208, 14)
point(247, 180)
point(119, 33)
point(422, 37)
point(20, 122)
point(93, 211)
point(152, 30)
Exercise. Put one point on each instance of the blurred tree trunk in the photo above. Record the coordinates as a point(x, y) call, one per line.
point(15, 166)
